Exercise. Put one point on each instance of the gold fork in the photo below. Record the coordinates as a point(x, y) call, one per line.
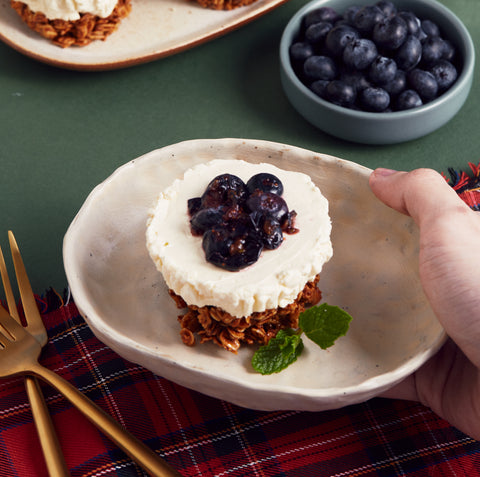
point(19, 352)
point(46, 432)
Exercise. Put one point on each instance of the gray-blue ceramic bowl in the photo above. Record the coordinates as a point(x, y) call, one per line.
point(388, 127)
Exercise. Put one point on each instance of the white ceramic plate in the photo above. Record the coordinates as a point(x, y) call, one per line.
point(373, 275)
point(154, 29)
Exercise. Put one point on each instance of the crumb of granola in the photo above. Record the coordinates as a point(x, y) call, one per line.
point(81, 32)
point(213, 324)
point(224, 4)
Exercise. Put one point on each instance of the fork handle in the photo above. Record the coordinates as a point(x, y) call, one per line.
point(139, 452)
point(52, 451)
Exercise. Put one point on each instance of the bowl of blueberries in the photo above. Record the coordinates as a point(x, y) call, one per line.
point(380, 72)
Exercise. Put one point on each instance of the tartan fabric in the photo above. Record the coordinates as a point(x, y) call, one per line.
point(203, 436)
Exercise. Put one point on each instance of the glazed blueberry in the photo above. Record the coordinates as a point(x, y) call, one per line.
point(412, 21)
point(359, 53)
point(382, 70)
point(338, 37)
point(205, 219)
point(231, 249)
point(430, 28)
point(315, 34)
point(340, 93)
point(390, 33)
point(319, 68)
point(266, 183)
point(322, 14)
point(270, 232)
point(408, 99)
point(424, 83)
point(269, 204)
point(374, 99)
point(366, 18)
point(388, 8)
point(397, 85)
point(194, 205)
point(225, 189)
point(409, 54)
point(445, 73)
point(432, 50)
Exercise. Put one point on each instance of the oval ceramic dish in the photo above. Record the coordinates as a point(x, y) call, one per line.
point(389, 127)
point(373, 275)
point(154, 29)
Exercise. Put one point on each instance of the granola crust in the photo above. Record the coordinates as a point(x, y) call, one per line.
point(80, 32)
point(224, 4)
point(213, 324)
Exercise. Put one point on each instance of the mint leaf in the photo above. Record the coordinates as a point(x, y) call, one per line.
point(279, 353)
point(323, 324)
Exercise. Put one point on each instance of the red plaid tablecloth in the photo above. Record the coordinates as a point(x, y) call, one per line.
point(203, 436)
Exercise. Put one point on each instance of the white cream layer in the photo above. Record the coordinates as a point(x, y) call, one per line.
point(274, 280)
point(70, 9)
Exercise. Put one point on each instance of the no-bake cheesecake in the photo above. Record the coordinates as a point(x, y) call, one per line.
point(250, 303)
point(72, 22)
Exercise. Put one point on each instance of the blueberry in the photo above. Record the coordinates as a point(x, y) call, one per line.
point(225, 189)
point(231, 249)
point(424, 83)
point(315, 34)
point(355, 78)
point(338, 37)
point(340, 93)
point(430, 28)
point(360, 53)
point(319, 86)
point(374, 99)
point(269, 204)
point(382, 70)
point(322, 14)
point(266, 183)
point(350, 13)
point(299, 52)
point(319, 67)
point(397, 85)
point(412, 21)
point(390, 33)
point(270, 231)
point(445, 73)
point(366, 18)
point(388, 8)
point(432, 50)
point(206, 219)
point(448, 51)
point(409, 99)
point(409, 54)
point(194, 205)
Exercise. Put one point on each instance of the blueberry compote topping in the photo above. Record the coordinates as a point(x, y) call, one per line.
point(237, 220)
point(375, 57)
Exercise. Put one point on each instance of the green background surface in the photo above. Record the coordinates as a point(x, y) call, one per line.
point(63, 132)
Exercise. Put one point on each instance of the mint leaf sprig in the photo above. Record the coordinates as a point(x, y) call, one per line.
point(323, 324)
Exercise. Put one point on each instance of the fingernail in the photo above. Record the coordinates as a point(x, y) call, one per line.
point(384, 172)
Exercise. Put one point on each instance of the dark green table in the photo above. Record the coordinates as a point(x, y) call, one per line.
point(63, 132)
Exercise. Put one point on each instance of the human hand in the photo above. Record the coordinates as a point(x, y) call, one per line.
point(449, 267)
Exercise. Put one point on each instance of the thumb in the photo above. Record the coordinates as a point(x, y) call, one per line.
point(423, 193)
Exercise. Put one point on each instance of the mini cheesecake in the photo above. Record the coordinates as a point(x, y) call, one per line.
point(252, 304)
point(72, 22)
